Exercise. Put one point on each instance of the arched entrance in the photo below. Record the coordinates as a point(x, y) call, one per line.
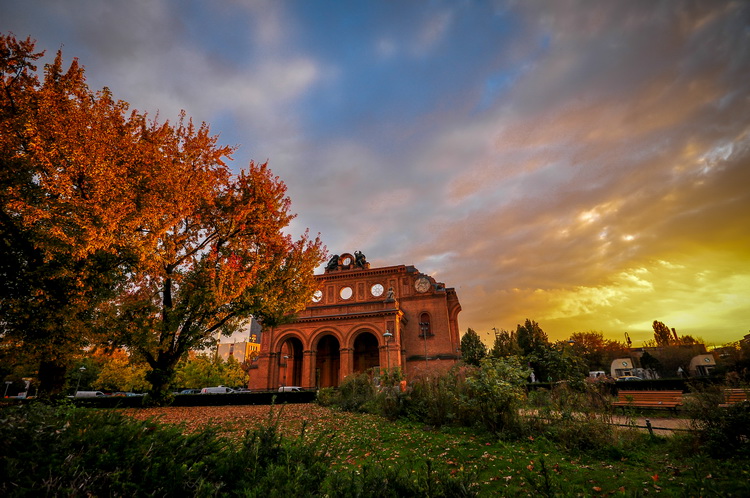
point(366, 352)
point(290, 362)
point(327, 362)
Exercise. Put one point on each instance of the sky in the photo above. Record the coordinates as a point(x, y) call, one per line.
point(585, 165)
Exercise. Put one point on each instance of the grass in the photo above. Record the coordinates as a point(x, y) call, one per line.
point(532, 465)
point(252, 450)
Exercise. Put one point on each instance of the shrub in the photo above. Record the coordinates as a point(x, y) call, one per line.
point(355, 394)
point(326, 396)
point(435, 400)
point(494, 393)
point(720, 431)
point(579, 420)
point(66, 451)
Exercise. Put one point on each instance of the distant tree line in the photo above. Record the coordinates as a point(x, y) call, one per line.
point(583, 352)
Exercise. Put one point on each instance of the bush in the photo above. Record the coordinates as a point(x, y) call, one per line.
point(435, 400)
point(578, 420)
point(494, 393)
point(66, 451)
point(326, 396)
point(356, 394)
point(720, 431)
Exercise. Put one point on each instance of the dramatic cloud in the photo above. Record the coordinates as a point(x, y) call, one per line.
point(582, 164)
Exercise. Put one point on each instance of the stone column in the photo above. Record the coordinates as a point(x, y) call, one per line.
point(273, 370)
point(346, 363)
point(308, 369)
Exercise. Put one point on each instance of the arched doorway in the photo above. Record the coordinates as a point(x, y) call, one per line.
point(366, 352)
point(327, 362)
point(290, 362)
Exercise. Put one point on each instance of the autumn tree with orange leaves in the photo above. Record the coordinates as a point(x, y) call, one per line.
point(219, 255)
point(117, 229)
point(66, 207)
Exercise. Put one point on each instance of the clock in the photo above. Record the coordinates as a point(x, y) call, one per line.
point(377, 290)
point(346, 293)
point(422, 284)
point(346, 260)
point(317, 296)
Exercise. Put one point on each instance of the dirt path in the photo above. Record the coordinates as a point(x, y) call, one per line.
point(660, 426)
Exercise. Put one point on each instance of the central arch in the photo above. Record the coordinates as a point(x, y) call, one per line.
point(366, 352)
point(327, 362)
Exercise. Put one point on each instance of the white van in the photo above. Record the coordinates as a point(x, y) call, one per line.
point(217, 390)
point(90, 394)
point(290, 389)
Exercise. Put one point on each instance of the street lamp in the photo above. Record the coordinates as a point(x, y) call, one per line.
point(424, 327)
point(387, 337)
point(286, 362)
point(78, 384)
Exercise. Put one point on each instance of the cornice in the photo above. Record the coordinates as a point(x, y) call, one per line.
point(358, 314)
point(360, 273)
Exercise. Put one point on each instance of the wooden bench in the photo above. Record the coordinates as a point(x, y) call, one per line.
point(649, 399)
point(732, 396)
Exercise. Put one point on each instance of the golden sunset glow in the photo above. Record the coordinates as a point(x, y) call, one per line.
point(582, 164)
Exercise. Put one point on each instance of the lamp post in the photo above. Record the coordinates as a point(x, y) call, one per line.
point(387, 336)
point(78, 384)
point(424, 326)
point(286, 362)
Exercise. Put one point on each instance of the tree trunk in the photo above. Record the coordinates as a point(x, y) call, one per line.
point(51, 378)
point(160, 377)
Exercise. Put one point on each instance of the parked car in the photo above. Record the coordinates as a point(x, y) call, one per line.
point(628, 377)
point(290, 389)
point(89, 394)
point(190, 391)
point(217, 390)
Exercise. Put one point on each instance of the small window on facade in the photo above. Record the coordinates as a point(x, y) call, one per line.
point(425, 328)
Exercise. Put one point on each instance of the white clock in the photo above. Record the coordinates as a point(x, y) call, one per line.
point(317, 296)
point(377, 290)
point(422, 284)
point(346, 293)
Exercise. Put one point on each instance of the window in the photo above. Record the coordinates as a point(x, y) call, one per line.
point(425, 327)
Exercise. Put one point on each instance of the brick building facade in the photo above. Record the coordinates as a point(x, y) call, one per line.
point(362, 318)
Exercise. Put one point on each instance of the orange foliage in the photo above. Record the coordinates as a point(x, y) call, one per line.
point(92, 189)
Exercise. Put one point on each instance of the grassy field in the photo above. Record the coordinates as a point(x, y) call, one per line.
point(527, 466)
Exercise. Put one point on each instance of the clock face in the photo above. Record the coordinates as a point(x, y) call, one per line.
point(317, 296)
point(422, 284)
point(346, 261)
point(377, 290)
point(346, 293)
